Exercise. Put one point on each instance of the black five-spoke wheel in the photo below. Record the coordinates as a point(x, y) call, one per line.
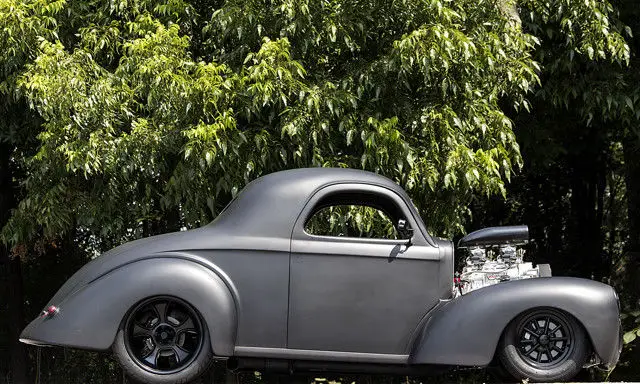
point(163, 334)
point(543, 345)
point(163, 340)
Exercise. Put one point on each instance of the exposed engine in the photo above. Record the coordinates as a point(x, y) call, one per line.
point(495, 255)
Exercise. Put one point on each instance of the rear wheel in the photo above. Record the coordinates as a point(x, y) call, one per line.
point(543, 345)
point(163, 340)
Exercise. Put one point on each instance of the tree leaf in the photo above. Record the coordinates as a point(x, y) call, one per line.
point(629, 337)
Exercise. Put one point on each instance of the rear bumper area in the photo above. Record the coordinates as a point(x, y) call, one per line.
point(33, 334)
point(47, 332)
point(35, 342)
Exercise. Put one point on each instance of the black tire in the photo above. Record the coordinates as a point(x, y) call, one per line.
point(176, 339)
point(531, 349)
point(544, 270)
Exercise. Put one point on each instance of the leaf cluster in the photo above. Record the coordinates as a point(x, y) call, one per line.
point(151, 107)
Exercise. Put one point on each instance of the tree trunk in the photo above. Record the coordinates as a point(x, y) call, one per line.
point(15, 298)
point(602, 267)
point(17, 350)
point(585, 226)
point(632, 179)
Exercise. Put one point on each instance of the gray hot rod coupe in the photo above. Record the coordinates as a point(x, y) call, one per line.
point(280, 281)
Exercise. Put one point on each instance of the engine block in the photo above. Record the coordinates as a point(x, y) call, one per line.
point(486, 266)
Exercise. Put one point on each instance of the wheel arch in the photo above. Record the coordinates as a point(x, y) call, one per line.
point(545, 307)
point(467, 330)
point(90, 317)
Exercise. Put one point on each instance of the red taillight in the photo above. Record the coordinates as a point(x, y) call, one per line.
point(50, 311)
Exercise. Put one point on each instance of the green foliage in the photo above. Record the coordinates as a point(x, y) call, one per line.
point(148, 110)
point(584, 58)
point(634, 318)
point(352, 221)
point(24, 24)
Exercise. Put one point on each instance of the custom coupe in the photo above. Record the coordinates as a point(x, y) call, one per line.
point(290, 277)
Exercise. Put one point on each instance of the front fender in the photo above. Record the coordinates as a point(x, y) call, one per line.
point(466, 331)
point(91, 317)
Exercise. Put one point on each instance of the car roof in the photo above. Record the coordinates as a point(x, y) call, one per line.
point(270, 205)
point(307, 180)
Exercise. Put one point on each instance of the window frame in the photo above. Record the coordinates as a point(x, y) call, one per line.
point(299, 232)
point(388, 216)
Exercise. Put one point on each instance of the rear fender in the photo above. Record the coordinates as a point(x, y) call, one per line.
point(91, 317)
point(466, 331)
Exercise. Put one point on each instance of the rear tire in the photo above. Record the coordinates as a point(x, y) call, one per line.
point(163, 340)
point(543, 345)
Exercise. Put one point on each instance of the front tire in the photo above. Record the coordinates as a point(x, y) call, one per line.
point(163, 340)
point(543, 345)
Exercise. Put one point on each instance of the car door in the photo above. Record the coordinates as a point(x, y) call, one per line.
point(358, 294)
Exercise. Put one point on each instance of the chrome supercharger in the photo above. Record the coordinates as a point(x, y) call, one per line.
point(494, 255)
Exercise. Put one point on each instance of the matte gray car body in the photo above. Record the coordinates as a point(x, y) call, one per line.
point(266, 288)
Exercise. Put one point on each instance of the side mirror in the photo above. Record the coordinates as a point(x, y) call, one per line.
point(404, 230)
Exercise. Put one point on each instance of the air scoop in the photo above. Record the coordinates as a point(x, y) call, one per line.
point(514, 234)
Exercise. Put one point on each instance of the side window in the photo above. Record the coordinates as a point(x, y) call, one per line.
point(351, 221)
point(356, 214)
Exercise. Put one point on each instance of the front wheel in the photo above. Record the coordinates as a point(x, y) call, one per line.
point(544, 345)
point(163, 340)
